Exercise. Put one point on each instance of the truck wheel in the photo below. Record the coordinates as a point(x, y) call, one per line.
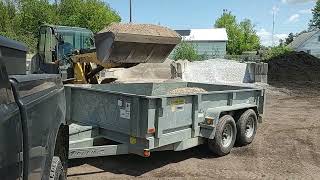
point(225, 136)
point(56, 171)
point(247, 127)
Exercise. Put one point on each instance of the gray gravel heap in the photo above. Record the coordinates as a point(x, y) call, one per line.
point(216, 71)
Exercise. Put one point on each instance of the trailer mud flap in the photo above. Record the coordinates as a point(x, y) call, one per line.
point(207, 131)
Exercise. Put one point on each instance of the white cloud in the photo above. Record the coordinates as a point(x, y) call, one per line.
point(296, 1)
point(305, 11)
point(266, 37)
point(294, 18)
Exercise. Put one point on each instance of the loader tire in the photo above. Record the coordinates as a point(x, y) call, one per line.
point(225, 136)
point(246, 127)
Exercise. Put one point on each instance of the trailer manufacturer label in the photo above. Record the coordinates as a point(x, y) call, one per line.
point(125, 109)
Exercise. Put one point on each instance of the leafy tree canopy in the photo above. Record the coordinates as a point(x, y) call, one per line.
point(289, 39)
point(21, 18)
point(315, 21)
point(242, 36)
point(186, 51)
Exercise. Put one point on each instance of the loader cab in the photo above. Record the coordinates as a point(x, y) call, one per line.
point(56, 43)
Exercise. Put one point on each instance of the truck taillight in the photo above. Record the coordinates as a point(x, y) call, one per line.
point(151, 130)
point(146, 153)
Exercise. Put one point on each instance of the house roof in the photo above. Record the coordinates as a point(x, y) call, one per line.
point(302, 38)
point(216, 34)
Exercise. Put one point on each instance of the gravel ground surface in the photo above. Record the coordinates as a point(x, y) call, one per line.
point(286, 147)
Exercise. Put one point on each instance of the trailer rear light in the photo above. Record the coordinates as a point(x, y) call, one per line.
point(209, 120)
point(146, 153)
point(151, 130)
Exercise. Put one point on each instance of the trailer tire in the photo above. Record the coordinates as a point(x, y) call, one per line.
point(225, 136)
point(56, 171)
point(246, 127)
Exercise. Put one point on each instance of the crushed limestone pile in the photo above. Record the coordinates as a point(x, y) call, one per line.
point(187, 90)
point(216, 71)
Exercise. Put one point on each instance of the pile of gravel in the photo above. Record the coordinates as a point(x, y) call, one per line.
point(187, 90)
point(216, 71)
point(142, 29)
point(294, 67)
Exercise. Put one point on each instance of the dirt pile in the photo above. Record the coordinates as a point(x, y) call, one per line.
point(294, 67)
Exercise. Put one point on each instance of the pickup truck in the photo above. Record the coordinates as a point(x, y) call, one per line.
point(33, 135)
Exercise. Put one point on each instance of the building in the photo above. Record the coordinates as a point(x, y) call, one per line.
point(209, 42)
point(308, 42)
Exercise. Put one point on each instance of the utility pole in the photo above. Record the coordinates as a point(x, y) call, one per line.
point(130, 11)
point(273, 23)
point(274, 12)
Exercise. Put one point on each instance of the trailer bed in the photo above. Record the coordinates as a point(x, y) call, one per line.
point(146, 117)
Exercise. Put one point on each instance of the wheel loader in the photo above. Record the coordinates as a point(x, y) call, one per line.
point(79, 55)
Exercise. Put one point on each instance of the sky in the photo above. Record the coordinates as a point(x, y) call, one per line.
point(290, 15)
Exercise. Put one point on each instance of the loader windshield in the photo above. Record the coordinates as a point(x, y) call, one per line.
point(74, 38)
point(79, 40)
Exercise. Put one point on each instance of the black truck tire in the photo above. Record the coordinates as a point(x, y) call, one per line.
point(225, 136)
point(56, 171)
point(247, 127)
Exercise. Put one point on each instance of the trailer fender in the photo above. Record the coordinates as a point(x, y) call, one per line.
point(212, 117)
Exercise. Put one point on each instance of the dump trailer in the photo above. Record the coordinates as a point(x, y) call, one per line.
point(140, 118)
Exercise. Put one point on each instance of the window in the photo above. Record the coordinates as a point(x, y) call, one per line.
point(48, 46)
point(42, 40)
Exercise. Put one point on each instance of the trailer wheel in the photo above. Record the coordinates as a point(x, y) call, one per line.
point(225, 136)
point(247, 127)
point(56, 171)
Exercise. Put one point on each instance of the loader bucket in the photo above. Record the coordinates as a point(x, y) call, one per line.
point(135, 43)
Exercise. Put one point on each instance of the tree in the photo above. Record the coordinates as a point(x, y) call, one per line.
point(242, 36)
point(276, 51)
point(91, 14)
point(315, 21)
point(289, 39)
point(21, 18)
point(249, 38)
point(281, 42)
point(186, 51)
point(228, 21)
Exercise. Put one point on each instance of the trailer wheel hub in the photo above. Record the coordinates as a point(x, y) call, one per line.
point(227, 135)
point(250, 127)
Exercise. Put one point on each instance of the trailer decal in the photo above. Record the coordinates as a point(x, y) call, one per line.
point(125, 110)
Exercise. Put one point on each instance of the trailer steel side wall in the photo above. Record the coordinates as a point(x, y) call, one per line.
point(146, 116)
